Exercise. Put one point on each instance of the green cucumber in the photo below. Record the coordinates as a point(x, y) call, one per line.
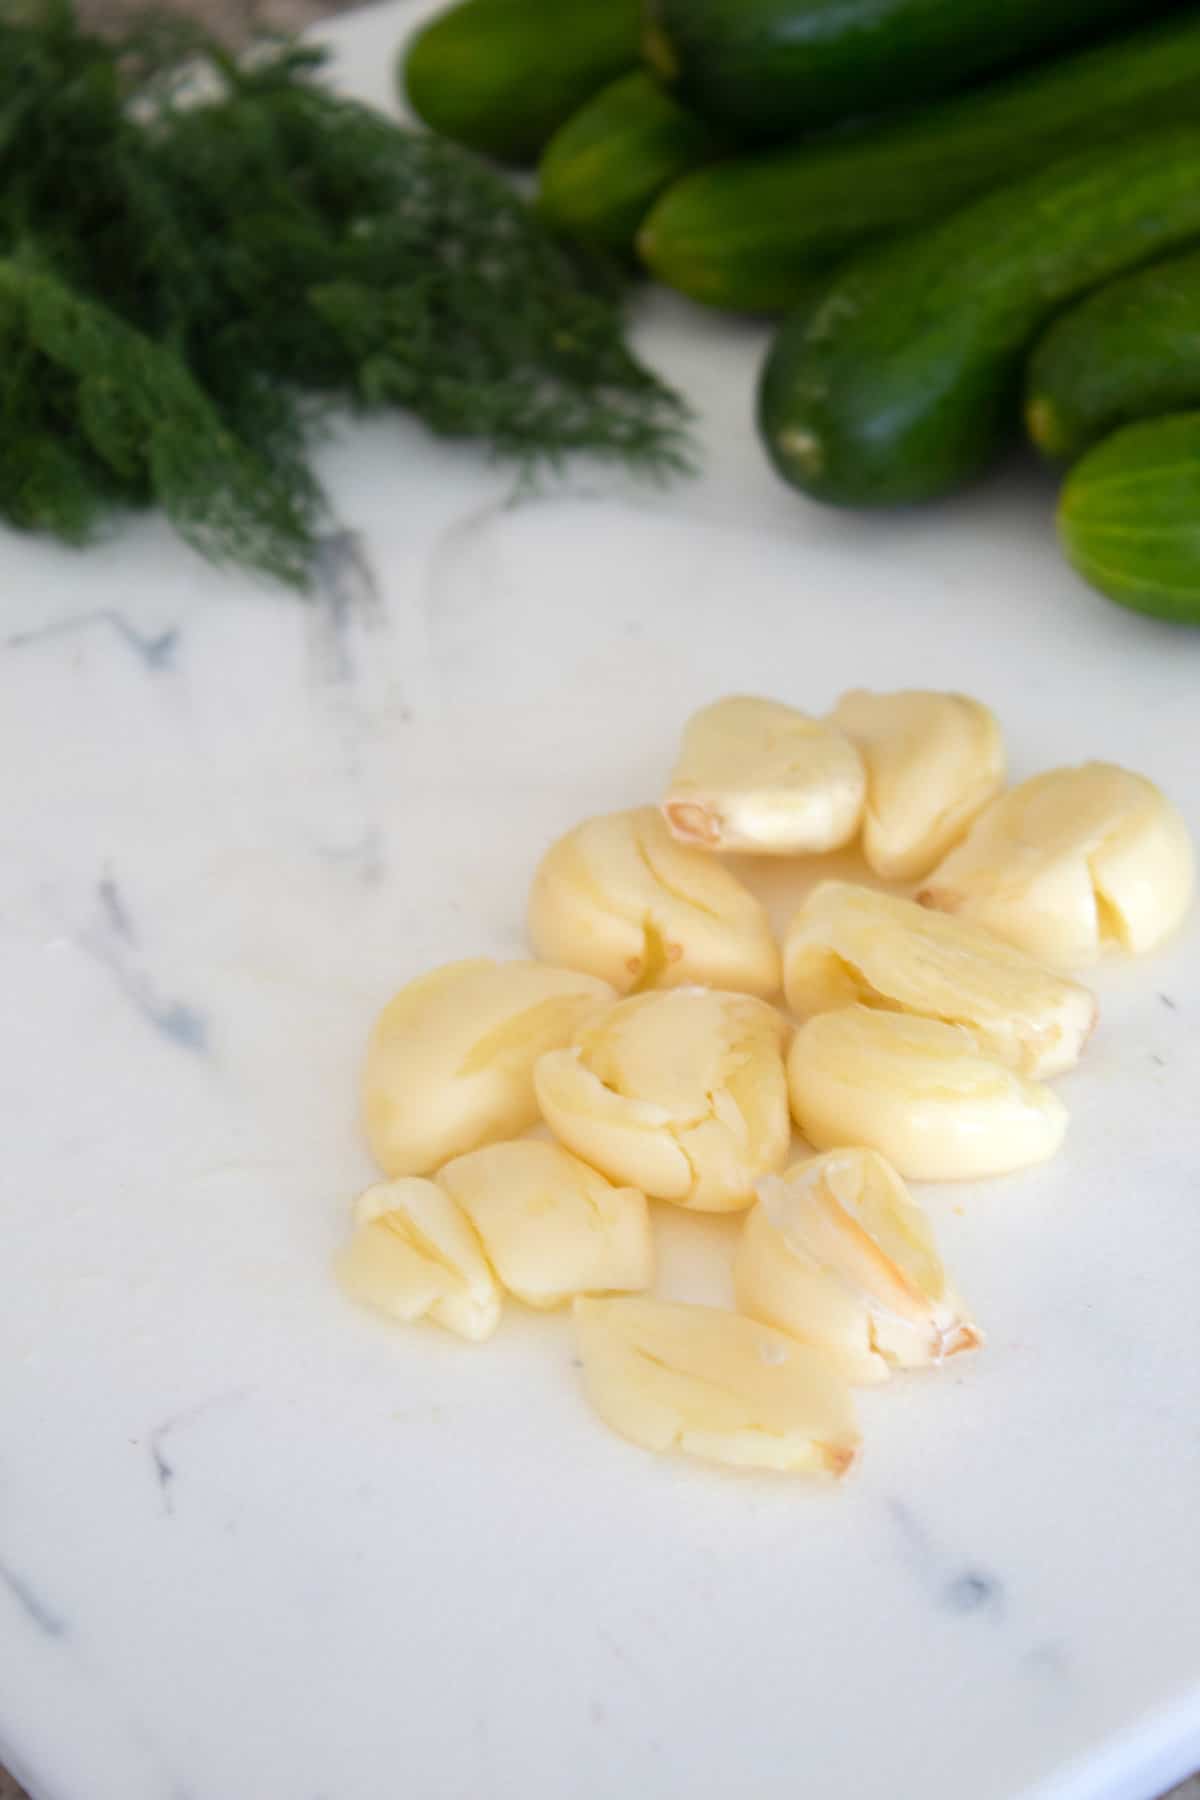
point(1129, 517)
point(906, 382)
point(1129, 351)
point(602, 171)
point(502, 75)
point(744, 233)
point(775, 68)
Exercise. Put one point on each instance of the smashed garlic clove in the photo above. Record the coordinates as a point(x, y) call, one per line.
point(619, 897)
point(450, 1061)
point(933, 761)
point(1071, 865)
point(715, 1385)
point(550, 1225)
point(414, 1255)
point(754, 775)
point(922, 1093)
point(838, 1254)
point(681, 1094)
point(849, 943)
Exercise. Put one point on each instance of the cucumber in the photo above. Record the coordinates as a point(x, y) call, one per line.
point(906, 381)
point(603, 169)
point(774, 68)
point(1129, 517)
point(1129, 351)
point(744, 233)
point(503, 75)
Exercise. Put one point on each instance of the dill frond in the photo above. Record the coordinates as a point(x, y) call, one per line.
point(204, 255)
point(92, 412)
point(400, 270)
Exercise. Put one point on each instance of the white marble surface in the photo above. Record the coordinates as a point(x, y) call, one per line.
point(256, 1546)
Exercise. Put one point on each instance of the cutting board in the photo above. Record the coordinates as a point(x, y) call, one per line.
point(257, 1545)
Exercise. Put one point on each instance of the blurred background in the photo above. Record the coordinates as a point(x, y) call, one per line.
point(233, 18)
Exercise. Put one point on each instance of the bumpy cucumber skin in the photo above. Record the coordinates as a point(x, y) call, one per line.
point(1129, 351)
point(906, 382)
point(776, 68)
point(1129, 517)
point(601, 171)
point(503, 75)
point(744, 234)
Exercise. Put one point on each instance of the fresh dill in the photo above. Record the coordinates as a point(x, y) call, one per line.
point(94, 413)
point(201, 255)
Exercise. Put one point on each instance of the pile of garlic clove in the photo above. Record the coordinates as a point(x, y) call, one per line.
point(648, 1041)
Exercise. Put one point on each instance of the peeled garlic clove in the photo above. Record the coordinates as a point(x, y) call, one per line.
point(715, 1385)
point(837, 1253)
point(757, 776)
point(933, 760)
point(681, 1094)
point(619, 897)
point(850, 943)
point(551, 1226)
point(450, 1061)
point(922, 1093)
point(609, 1130)
point(414, 1255)
point(1071, 865)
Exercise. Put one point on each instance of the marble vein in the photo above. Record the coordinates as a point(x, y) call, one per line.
point(111, 942)
point(364, 856)
point(114, 910)
point(162, 1465)
point(37, 1610)
point(155, 652)
point(463, 539)
point(347, 595)
point(964, 1591)
point(347, 608)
